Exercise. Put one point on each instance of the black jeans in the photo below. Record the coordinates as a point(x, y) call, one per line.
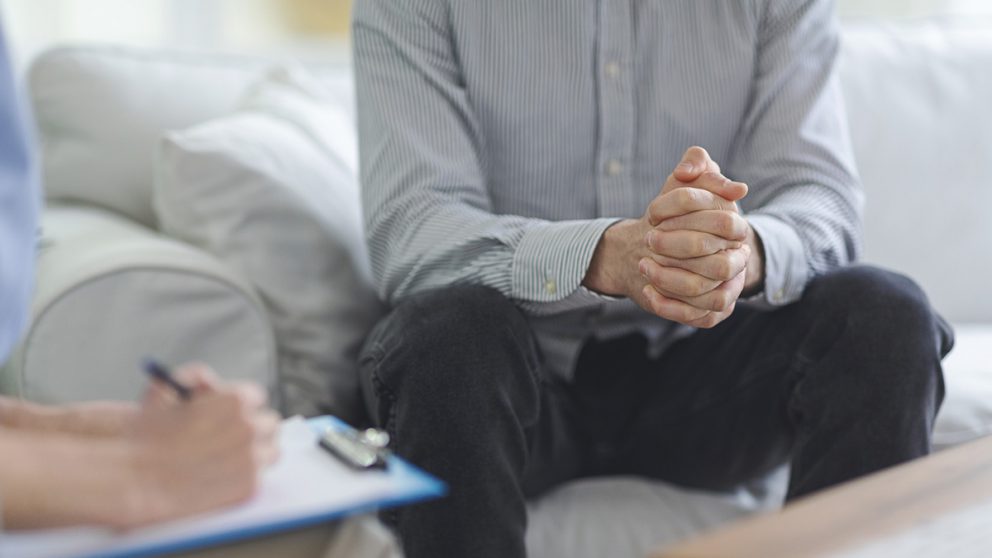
point(845, 382)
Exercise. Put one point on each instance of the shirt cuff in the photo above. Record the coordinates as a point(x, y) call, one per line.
point(551, 261)
point(786, 269)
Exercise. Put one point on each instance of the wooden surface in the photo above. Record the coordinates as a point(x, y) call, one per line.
point(856, 512)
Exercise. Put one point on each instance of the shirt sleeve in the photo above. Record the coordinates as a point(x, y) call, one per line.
point(428, 215)
point(18, 210)
point(794, 151)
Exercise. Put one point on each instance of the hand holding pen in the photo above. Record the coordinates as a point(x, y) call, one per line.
point(198, 443)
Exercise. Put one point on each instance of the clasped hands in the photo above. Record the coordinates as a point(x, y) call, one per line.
point(690, 256)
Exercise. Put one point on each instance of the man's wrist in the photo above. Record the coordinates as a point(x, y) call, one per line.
point(604, 275)
point(754, 278)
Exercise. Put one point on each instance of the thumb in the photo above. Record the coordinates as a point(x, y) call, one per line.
point(158, 395)
point(199, 377)
point(695, 162)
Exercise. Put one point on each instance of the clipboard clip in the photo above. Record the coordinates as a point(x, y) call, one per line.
point(361, 450)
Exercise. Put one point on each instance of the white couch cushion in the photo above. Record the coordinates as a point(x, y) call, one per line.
point(271, 191)
point(101, 111)
point(111, 292)
point(967, 410)
point(918, 104)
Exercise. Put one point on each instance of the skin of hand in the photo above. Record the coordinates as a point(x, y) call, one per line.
point(687, 258)
point(175, 458)
point(192, 456)
point(96, 419)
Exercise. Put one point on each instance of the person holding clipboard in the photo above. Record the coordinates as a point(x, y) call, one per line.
point(195, 443)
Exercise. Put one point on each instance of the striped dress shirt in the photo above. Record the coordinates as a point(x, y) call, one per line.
point(498, 140)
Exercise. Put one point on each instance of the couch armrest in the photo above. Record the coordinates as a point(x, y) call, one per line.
point(110, 292)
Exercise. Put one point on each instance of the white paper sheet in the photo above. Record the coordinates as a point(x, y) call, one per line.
point(306, 486)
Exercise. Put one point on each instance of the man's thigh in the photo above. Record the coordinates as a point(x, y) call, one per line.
point(710, 413)
point(728, 404)
point(459, 367)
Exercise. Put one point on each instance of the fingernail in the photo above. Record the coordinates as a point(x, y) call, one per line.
point(650, 237)
point(685, 167)
point(643, 267)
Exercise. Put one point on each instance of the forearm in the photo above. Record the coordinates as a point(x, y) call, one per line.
point(540, 264)
point(54, 481)
point(88, 419)
point(23, 415)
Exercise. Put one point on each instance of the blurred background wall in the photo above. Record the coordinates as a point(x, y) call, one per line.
point(316, 27)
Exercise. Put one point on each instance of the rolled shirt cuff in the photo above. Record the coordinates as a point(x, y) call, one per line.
point(551, 261)
point(786, 268)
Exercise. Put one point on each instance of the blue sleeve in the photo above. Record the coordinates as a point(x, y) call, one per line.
point(19, 201)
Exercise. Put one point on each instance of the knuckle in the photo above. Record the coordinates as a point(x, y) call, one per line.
point(714, 177)
point(699, 245)
point(709, 322)
point(688, 197)
point(655, 210)
point(721, 301)
point(656, 307)
point(695, 287)
point(739, 226)
point(726, 224)
point(656, 241)
point(724, 268)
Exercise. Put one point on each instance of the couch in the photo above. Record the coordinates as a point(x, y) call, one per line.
point(112, 287)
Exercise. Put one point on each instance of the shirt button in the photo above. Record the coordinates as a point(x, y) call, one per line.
point(612, 69)
point(550, 286)
point(614, 167)
point(780, 295)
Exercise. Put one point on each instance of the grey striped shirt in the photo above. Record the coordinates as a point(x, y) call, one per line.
point(498, 139)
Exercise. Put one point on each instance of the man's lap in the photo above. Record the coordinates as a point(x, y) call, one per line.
point(713, 411)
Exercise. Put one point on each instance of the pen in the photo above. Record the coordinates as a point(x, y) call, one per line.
point(162, 374)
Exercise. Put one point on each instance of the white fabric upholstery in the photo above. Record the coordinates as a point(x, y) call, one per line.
point(918, 104)
point(111, 292)
point(99, 104)
point(967, 410)
point(271, 191)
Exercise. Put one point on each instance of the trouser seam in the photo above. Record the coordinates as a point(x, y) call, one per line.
point(383, 391)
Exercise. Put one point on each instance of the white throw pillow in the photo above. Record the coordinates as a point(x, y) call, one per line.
point(271, 190)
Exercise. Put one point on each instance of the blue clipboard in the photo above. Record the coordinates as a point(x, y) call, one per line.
point(398, 484)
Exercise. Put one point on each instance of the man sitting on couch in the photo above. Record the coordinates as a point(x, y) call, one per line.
point(561, 309)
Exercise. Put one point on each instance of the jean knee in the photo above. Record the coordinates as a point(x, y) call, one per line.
point(877, 301)
point(455, 345)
